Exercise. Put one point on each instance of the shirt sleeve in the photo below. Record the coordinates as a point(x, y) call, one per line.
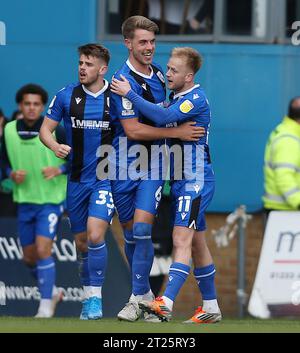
point(56, 107)
point(124, 108)
point(182, 110)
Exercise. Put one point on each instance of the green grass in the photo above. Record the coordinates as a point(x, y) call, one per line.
point(23, 325)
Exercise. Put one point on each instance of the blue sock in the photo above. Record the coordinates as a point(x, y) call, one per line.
point(129, 246)
point(83, 269)
point(46, 276)
point(142, 258)
point(177, 275)
point(205, 277)
point(97, 258)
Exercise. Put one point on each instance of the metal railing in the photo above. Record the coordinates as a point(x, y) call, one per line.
point(236, 223)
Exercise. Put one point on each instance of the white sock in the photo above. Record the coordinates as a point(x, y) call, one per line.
point(136, 298)
point(211, 306)
point(148, 296)
point(45, 305)
point(95, 292)
point(54, 291)
point(86, 292)
point(169, 302)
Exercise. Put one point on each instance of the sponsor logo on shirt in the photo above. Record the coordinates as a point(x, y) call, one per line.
point(127, 112)
point(186, 106)
point(127, 105)
point(89, 124)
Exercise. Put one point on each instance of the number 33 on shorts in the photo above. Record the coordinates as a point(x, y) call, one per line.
point(105, 198)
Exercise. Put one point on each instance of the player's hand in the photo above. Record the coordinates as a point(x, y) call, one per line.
point(189, 132)
point(51, 172)
point(62, 151)
point(120, 87)
point(18, 176)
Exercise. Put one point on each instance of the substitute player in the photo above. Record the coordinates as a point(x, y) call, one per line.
point(39, 190)
point(137, 199)
point(191, 192)
point(83, 107)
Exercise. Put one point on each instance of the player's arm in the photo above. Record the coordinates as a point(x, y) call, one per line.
point(47, 138)
point(152, 111)
point(60, 134)
point(54, 116)
point(50, 172)
point(138, 131)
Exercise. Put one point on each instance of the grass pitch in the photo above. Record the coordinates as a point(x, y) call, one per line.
point(74, 325)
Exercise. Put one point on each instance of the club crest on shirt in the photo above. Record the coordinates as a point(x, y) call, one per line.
point(186, 106)
point(127, 105)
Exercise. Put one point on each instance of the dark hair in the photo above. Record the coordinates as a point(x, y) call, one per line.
point(31, 88)
point(96, 50)
point(1, 112)
point(138, 22)
point(294, 112)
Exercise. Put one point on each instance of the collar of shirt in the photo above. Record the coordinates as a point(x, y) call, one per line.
point(180, 94)
point(27, 132)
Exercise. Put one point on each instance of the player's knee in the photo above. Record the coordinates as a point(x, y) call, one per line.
point(142, 231)
point(29, 255)
point(43, 250)
point(81, 244)
point(181, 242)
point(95, 238)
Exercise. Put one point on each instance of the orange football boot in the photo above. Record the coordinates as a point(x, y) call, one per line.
point(157, 307)
point(203, 317)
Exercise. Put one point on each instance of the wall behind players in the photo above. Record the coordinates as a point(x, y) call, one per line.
point(248, 85)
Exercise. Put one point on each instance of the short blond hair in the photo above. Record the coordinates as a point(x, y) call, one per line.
point(138, 22)
point(193, 58)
